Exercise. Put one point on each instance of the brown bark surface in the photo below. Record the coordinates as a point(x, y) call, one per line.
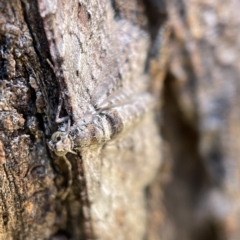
point(174, 174)
point(82, 52)
point(200, 123)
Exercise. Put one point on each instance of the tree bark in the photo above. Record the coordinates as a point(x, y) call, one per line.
point(198, 198)
point(168, 172)
point(82, 52)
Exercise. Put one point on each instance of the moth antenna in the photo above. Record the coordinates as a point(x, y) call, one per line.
point(50, 64)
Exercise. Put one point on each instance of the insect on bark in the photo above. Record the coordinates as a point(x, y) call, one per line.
point(95, 130)
point(100, 127)
point(116, 104)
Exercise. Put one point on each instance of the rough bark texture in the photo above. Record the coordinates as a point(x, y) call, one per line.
point(200, 123)
point(82, 52)
point(28, 193)
point(172, 176)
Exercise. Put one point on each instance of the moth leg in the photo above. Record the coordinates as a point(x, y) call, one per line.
point(69, 185)
point(62, 119)
point(57, 119)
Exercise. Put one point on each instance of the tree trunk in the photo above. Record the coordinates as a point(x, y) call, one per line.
point(95, 60)
point(200, 124)
point(119, 119)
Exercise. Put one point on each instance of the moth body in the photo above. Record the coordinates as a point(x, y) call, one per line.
point(101, 127)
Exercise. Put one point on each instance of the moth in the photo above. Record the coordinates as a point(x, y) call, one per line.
point(101, 127)
point(94, 129)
